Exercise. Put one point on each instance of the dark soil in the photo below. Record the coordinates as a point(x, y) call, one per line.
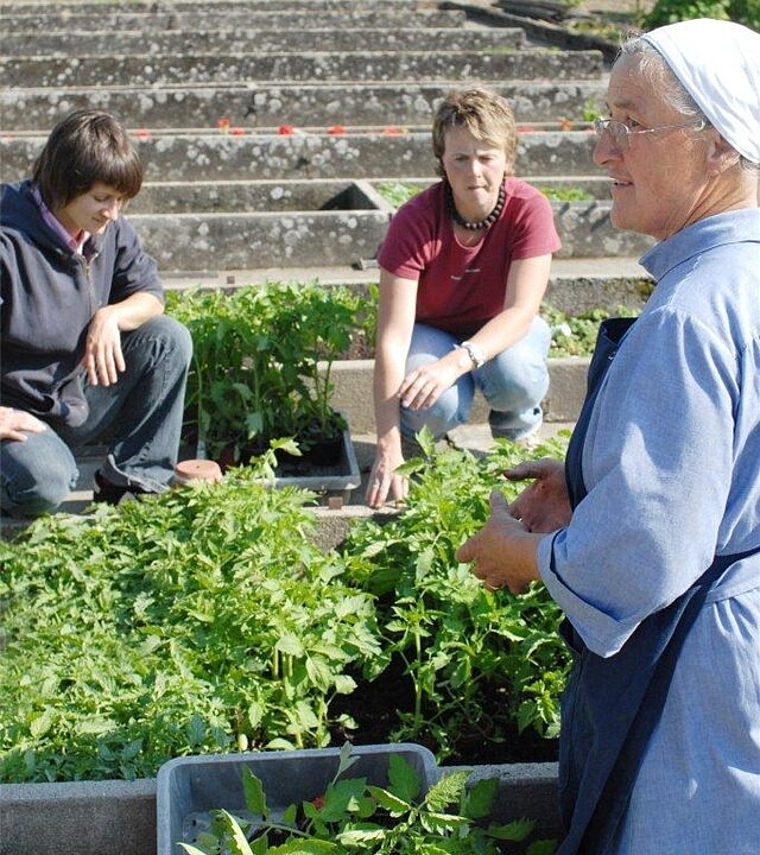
point(375, 707)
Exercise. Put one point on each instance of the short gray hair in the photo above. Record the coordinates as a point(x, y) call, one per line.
point(655, 70)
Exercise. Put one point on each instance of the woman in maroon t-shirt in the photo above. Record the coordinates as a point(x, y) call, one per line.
point(463, 270)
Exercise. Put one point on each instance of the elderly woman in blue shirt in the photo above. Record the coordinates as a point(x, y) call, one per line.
point(648, 536)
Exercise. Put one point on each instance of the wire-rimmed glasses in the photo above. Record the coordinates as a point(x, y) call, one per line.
point(621, 134)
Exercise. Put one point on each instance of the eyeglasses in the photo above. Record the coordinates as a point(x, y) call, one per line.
point(621, 134)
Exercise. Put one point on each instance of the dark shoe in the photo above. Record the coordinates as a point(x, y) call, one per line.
point(111, 494)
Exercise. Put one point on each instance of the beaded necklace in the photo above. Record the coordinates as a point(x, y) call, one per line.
point(479, 224)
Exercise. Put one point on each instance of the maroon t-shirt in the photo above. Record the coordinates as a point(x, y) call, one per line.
point(461, 288)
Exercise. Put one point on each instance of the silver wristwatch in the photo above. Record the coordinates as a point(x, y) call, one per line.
point(474, 352)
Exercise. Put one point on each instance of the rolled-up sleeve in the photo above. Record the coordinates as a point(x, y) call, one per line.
point(650, 522)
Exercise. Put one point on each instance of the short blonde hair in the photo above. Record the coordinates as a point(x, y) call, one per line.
point(486, 115)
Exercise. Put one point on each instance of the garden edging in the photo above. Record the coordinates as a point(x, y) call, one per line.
point(97, 817)
point(352, 395)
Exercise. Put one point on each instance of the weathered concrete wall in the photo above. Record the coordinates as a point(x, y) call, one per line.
point(103, 817)
point(275, 104)
point(187, 197)
point(375, 66)
point(252, 18)
point(324, 238)
point(213, 156)
point(75, 43)
point(353, 392)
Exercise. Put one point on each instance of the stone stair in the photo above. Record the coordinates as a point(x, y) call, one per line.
point(267, 126)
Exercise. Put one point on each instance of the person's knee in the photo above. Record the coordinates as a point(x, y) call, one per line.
point(160, 340)
point(32, 493)
point(515, 395)
point(179, 337)
point(438, 419)
point(510, 390)
point(173, 337)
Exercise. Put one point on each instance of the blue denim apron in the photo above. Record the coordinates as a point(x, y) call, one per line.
point(611, 706)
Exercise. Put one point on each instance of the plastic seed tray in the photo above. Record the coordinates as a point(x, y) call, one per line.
point(189, 789)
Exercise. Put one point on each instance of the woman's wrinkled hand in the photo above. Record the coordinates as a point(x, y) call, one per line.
point(544, 506)
point(502, 552)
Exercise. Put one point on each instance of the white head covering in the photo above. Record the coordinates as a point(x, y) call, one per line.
point(719, 64)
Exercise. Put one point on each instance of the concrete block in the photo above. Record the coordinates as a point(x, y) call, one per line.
point(353, 392)
point(299, 238)
point(353, 67)
point(276, 104)
point(68, 43)
point(99, 817)
point(371, 154)
point(238, 17)
point(78, 818)
point(202, 241)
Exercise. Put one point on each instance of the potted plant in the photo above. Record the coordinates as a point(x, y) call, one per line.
point(262, 367)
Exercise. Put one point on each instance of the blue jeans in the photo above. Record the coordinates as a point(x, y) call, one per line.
point(140, 417)
point(513, 383)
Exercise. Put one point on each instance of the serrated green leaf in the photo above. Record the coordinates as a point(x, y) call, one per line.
point(393, 804)
point(361, 835)
point(95, 726)
point(479, 798)
point(515, 831)
point(447, 790)
point(304, 847)
point(41, 724)
point(192, 850)
point(253, 793)
point(403, 778)
point(237, 842)
point(443, 823)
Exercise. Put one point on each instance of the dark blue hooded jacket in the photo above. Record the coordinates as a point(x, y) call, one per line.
point(48, 296)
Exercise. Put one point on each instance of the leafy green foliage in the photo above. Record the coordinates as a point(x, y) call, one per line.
point(576, 335)
point(745, 12)
point(353, 816)
point(396, 193)
point(202, 620)
point(566, 194)
point(262, 360)
point(208, 620)
point(461, 645)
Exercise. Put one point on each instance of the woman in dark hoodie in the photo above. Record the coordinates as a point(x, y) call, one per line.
point(86, 350)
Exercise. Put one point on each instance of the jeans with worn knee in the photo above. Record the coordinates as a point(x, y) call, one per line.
point(514, 383)
point(140, 418)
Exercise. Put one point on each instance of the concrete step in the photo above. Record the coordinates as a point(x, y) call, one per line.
point(334, 518)
point(183, 197)
point(354, 67)
point(242, 17)
point(86, 43)
point(200, 7)
point(244, 240)
point(576, 285)
point(386, 153)
point(209, 8)
point(276, 104)
point(195, 242)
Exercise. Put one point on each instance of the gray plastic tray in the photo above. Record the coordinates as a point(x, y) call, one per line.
point(190, 788)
